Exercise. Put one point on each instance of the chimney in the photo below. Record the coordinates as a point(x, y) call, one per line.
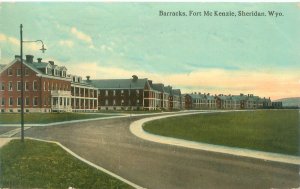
point(135, 78)
point(39, 60)
point(51, 62)
point(17, 56)
point(150, 82)
point(29, 58)
point(88, 78)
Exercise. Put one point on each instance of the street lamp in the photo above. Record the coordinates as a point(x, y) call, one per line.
point(22, 77)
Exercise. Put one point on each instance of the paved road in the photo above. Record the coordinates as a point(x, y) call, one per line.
point(109, 144)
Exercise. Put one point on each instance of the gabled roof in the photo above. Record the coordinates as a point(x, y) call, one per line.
point(201, 96)
point(176, 92)
point(168, 90)
point(119, 83)
point(158, 87)
point(40, 64)
point(34, 66)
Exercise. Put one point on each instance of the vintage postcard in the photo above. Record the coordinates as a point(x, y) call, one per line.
point(156, 95)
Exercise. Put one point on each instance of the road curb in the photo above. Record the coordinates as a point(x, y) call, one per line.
point(136, 128)
point(90, 163)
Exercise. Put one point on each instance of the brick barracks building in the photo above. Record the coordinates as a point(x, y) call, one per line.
point(135, 94)
point(47, 88)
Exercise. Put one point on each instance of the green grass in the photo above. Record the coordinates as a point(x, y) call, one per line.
point(35, 164)
point(265, 130)
point(14, 118)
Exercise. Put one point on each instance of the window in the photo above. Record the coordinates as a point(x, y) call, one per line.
point(26, 71)
point(106, 102)
point(137, 101)
point(137, 92)
point(44, 85)
point(48, 86)
point(122, 102)
point(9, 72)
point(10, 86)
point(2, 101)
point(106, 93)
point(122, 92)
point(114, 102)
point(45, 100)
point(18, 85)
point(35, 101)
point(114, 93)
point(10, 101)
point(26, 86)
point(19, 101)
point(18, 72)
point(27, 101)
point(34, 86)
point(2, 86)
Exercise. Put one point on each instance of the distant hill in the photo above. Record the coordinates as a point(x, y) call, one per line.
point(295, 101)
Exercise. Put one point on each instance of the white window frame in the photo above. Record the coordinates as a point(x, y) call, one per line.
point(19, 84)
point(10, 101)
point(9, 71)
point(19, 102)
point(34, 85)
point(10, 86)
point(27, 101)
point(19, 71)
point(3, 101)
point(2, 86)
point(26, 71)
point(35, 103)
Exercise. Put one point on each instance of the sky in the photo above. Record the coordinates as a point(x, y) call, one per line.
point(217, 55)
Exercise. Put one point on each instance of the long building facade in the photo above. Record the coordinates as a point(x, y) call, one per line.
point(49, 88)
point(235, 102)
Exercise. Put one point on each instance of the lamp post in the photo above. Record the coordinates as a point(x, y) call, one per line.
point(22, 77)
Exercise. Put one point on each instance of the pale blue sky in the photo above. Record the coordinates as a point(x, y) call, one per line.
point(132, 38)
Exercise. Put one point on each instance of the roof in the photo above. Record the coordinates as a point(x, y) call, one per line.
point(2, 66)
point(168, 89)
point(202, 96)
point(158, 87)
point(176, 92)
point(37, 67)
point(119, 83)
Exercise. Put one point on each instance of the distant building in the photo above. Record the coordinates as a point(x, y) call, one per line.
point(235, 102)
point(277, 105)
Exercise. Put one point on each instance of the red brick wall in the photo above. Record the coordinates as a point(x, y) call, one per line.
point(30, 78)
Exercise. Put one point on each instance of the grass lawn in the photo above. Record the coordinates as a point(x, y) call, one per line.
point(35, 164)
point(264, 130)
point(11, 118)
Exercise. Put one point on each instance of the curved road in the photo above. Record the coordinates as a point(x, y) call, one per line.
point(109, 144)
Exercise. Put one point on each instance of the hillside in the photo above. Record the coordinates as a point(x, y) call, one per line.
point(295, 101)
